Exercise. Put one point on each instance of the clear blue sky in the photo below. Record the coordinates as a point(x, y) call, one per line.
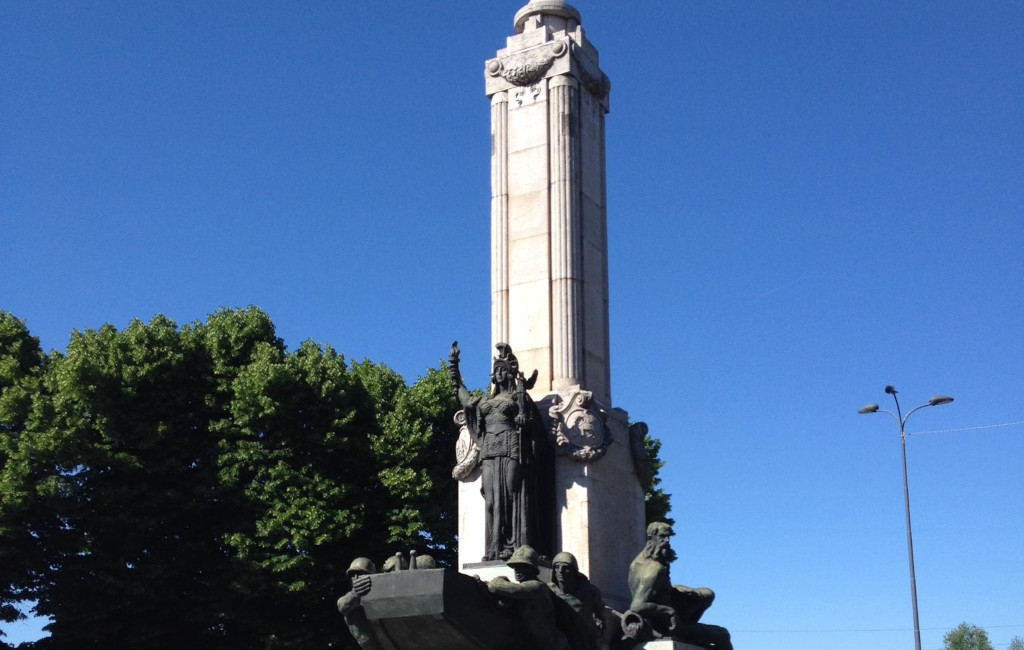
point(807, 201)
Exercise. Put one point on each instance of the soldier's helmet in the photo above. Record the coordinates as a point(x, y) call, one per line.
point(524, 556)
point(425, 562)
point(361, 565)
point(565, 557)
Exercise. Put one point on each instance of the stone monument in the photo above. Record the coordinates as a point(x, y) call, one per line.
point(551, 475)
point(549, 282)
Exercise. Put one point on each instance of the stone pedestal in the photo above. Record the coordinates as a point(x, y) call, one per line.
point(600, 509)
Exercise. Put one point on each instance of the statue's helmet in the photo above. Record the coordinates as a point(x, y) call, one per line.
point(524, 556)
point(565, 557)
point(506, 358)
point(361, 565)
point(425, 562)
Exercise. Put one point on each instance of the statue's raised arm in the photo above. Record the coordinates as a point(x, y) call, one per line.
point(456, 375)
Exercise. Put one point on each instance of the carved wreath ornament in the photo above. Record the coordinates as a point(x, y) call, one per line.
point(525, 68)
point(578, 428)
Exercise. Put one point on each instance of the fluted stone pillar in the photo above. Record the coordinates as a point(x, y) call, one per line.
point(566, 241)
point(499, 216)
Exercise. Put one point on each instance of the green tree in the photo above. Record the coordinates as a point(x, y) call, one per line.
point(414, 440)
point(657, 502)
point(1016, 643)
point(115, 476)
point(204, 487)
point(298, 448)
point(966, 637)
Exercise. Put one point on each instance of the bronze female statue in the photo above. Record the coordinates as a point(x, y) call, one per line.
point(507, 429)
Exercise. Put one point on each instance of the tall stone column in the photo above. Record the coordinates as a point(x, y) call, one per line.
point(549, 98)
point(549, 287)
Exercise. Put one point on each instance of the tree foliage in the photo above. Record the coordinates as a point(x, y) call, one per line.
point(1016, 643)
point(205, 487)
point(657, 502)
point(967, 637)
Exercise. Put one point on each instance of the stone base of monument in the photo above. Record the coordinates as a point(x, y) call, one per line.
point(443, 609)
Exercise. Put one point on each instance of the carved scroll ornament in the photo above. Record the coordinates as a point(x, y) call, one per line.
point(467, 452)
point(525, 68)
point(598, 87)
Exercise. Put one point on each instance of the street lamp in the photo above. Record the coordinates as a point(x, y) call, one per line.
point(937, 400)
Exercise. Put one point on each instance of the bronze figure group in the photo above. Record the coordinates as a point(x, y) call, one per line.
point(569, 613)
point(504, 439)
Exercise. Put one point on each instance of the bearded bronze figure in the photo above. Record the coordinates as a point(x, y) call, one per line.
point(660, 609)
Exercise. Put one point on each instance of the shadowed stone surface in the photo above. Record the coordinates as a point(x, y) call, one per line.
point(438, 608)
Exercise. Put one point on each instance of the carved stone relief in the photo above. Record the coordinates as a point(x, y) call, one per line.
point(467, 452)
point(579, 427)
point(528, 95)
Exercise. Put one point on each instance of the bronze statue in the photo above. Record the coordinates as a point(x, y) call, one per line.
point(506, 427)
point(532, 600)
point(660, 609)
point(351, 607)
point(576, 590)
point(416, 561)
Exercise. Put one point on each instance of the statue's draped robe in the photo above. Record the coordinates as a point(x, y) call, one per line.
point(511, 464)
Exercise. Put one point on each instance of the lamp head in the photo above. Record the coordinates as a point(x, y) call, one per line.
point(869, 408)
point(939, 400)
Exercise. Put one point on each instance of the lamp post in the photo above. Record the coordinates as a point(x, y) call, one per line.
point(937, 400)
